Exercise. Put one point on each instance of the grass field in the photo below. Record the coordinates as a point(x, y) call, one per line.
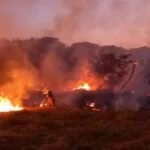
point(74, 130)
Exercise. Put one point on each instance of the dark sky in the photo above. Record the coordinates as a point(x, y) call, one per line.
point(120, 22)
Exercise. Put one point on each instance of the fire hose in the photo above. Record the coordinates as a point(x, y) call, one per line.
point(67, 106)
point(130, 77)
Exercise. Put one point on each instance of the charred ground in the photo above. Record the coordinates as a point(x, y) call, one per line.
point(74, 130)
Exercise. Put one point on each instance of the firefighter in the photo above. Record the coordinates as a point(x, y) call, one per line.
point(49, 100)
point(50, 96)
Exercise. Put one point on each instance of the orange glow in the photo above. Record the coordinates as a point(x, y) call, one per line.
point(6, 105)
point(85, 86)
point(21, 82)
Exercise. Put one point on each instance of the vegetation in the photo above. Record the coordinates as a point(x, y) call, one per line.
point(46, 55)
point(112, 66)
point(74, 130)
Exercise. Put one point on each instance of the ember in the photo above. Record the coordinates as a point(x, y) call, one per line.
point(92, 105)
point(6, 105)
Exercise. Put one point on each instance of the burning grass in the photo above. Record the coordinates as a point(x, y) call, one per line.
point(6, 105)
point(74, 130)
point(85, 86)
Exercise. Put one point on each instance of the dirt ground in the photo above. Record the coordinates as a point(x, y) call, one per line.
point(61, 129)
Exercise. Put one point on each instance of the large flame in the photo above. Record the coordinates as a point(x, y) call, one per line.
point(6, 105)
point(85, 86)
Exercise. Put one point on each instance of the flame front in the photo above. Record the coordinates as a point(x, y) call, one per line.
point(85, 86)
point(6, 105)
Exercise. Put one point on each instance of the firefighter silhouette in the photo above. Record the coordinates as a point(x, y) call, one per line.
point(48, 100)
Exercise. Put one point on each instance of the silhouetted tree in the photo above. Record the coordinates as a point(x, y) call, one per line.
point(111, 66)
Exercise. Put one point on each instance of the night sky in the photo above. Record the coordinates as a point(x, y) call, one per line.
point(121, 22)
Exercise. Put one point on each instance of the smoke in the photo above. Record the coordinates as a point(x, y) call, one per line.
point(25, 64)
point(21, 81)
point(59, 73)
point(127, 101)
point(68, 67)
point(69, 26)
point(52, 71)
point(117, 22)
point(17, 74)
point(104, 99)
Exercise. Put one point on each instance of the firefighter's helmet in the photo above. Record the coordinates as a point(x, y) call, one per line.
point(45, 90)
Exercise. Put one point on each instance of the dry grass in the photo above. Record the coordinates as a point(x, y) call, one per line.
point(74, 130)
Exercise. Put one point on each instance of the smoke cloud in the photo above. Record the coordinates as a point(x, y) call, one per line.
point(17, 73)
point(67, 68)
point(118, 22)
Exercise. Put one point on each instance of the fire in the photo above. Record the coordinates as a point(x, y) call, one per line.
point(85, 86)
point(6, 105)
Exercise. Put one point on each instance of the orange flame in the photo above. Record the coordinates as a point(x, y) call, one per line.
point(6, 105)
point(85, 86)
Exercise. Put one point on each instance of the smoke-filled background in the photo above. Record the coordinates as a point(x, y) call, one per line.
point(47, 62)
point(49, 43)
point(120, 22)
